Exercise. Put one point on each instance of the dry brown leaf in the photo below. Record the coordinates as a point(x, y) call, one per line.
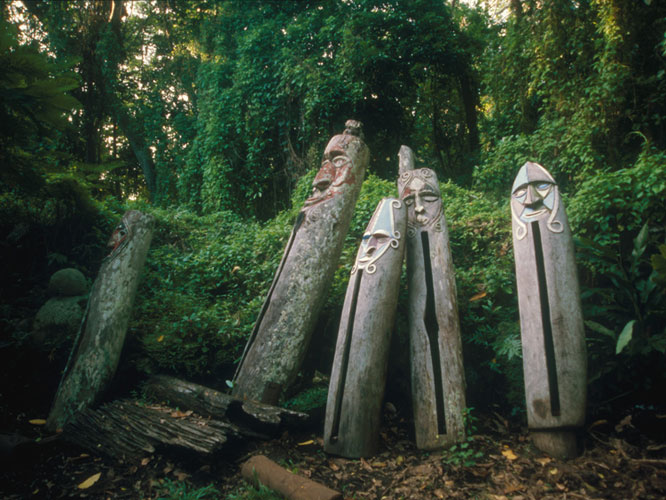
point(477, 296)
point(333, 466)
point(366, 465)
point(145, 461)
point(399, 460)
point(305, 443)
point(160, 338)
point(543, 461)
point(180, 475)
point(37, 421)
point(90, 481)
point(509, 454)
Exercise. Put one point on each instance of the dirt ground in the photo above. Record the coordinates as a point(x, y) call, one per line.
point(621, 459)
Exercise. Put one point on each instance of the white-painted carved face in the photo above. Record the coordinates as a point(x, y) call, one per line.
point(534, 195)
point(379, 236)
point(419, 190)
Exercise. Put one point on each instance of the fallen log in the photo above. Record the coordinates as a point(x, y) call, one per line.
point(127, 429)
point(211, 403)
point(261, 469)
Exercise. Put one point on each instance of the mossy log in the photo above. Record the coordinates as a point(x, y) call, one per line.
point(96, 351)
point(215, 404)
point(128, 429)
point(281, 335)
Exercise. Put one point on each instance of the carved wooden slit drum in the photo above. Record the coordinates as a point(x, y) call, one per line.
point(358, 377)
point(96, 351)
point(281, 335)
point(551, 321)
point(438, 379)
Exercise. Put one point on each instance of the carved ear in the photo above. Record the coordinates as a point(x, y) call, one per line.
point(406, 160)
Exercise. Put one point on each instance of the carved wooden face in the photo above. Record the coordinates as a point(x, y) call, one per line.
point(118, 237)
point(534, 195)
point(122, 233)
point(420, 192)
point(379, 236)
point(336, 170)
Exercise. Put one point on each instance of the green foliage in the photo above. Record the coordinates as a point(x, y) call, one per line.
point(206, 278)
point(464, 453)
point(251, 492)
point(310, 399)
point(181, 490)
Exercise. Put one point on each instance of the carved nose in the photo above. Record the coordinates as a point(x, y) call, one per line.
point(533, 197)
point(322, 184)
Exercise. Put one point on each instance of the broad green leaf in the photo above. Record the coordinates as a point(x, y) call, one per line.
point(596, 327)
point(625, 336)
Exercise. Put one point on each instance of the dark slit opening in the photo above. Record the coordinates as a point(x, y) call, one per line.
point(337, 409)
point(432, 329)
point(264, 307)
point(549, 345)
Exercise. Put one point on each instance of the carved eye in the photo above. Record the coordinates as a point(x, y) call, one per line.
point(429, 196)
point(522, 191)
point(340, 161)
point(409, 200)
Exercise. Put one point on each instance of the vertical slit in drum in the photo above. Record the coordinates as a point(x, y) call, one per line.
point(432, 329)
point(549, 345)
point(335, 427)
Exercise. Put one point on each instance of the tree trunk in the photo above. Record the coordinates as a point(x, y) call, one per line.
point(283, 330)
point(358, 377)
point(211, 403)
point(128, 429)
point(438, 377)
point(551, 321)
point(96, 352)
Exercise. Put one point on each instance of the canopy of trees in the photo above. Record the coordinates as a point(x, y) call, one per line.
point(212, 114)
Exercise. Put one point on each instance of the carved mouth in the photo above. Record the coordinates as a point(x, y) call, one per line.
point(533, 213)
point(422, 219)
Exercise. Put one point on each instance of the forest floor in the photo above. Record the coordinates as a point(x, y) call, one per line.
point(621, 459)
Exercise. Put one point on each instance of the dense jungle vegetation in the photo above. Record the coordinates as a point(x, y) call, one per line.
point(212, 116)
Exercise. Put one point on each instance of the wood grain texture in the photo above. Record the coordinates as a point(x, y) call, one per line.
point(281, 336)
point(436, 425)
point(353, 410)
point(211, 403)
point(96, 352)
point(558, 402)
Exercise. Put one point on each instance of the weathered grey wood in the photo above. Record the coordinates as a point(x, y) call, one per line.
point(211, 403)
point(96, 352)
point(282, 333)
point(438, 377)
point(358, 377)
point(551, 321)
point(128, 429)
